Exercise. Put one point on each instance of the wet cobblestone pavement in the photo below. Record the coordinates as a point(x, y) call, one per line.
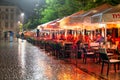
point(23, 61)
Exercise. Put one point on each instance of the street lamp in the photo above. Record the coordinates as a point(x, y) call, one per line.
point(22, 19)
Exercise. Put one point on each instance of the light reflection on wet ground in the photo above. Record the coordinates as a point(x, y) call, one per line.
point(23, 61)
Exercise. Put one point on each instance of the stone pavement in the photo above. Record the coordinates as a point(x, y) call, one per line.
point(23, 61)
point(94, 69)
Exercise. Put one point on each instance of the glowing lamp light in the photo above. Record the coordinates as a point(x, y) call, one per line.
point(22, 14)
point(101, 25)
point(118, 25)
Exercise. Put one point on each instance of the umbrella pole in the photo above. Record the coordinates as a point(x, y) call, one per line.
point(105, 33)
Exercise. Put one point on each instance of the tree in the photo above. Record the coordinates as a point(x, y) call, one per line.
point(58, 9)
point(35, 18)
point(53, 9)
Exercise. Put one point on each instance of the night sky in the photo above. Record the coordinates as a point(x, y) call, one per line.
point(27, 6)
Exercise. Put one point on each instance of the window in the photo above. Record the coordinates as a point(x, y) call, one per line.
point(3, 17)
point(6, 16)
point(12, 16)
point(11, 24)
point(6, 24)
point(0, 24)
point(12, 10)
point(0, 17)
point(6, 9)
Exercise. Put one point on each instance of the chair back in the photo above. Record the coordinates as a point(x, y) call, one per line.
point(103, 54)
point(102, 50)
point(84, 50)
point(68, 47)
point(86, 45)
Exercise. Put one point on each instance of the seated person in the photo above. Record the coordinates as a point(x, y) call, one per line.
point(70, 37)
point(118, 48)
point(62, 37)
point(99, 38)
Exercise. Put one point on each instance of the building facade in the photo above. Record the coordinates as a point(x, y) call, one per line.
point(9, 17)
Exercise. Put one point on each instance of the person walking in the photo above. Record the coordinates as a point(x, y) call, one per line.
point(17, 36)
point(22, 36)
point(11, 36)
point(37, 32)
point(5, 36)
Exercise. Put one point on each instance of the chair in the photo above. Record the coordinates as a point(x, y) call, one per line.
point(79, 50)
point(105, 59)
point(67, 50)
point(58, 50)
point(88, 54)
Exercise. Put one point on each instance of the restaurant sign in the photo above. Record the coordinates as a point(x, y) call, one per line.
point(111, 17)
point(116, 15)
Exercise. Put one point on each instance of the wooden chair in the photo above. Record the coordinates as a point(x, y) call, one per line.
point(88, 54)
point(105, 59)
